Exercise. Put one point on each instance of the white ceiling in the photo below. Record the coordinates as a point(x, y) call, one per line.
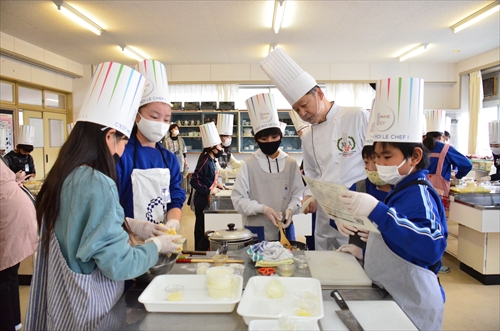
point(223, 32)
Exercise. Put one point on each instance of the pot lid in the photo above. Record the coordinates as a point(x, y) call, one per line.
point(232, 234)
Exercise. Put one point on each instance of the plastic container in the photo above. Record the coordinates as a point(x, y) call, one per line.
point(174, 292)
point(300, 261)
point(286, 270)
point(239, 269)
point(219, 260)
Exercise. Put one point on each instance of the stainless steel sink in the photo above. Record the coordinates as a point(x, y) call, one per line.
point(220, 205)
point(479, 200)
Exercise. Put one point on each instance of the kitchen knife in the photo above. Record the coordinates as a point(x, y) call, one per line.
point(345, 314)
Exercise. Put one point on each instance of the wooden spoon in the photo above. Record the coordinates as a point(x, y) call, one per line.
point(283, 239)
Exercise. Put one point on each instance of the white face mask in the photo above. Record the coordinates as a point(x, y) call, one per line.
point(153, 131)
point(227, 142)
point(390, 174)
point(175, 132)
point(495, 150)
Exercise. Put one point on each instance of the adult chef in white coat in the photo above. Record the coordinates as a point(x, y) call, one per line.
point(331, 147)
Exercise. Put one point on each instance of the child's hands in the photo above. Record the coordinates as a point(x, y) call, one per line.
point(356, 251)
point(359, 204)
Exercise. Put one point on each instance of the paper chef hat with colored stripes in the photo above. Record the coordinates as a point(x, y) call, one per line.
point(398, 111)
point(156, 87)
point(262, 112)
point(225, 124)
point(283, 127)
point(209, 135)
point(436, 120)
point(113, 97)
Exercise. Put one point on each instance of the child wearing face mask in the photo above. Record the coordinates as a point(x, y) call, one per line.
point(269, 186)
point(227, 165)
point(205, 181)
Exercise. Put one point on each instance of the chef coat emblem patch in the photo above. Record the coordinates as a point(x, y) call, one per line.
point(346, 145)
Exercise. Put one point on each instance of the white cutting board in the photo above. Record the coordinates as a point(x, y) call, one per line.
point(336, 268)
point(224, 193)
point(372, 315)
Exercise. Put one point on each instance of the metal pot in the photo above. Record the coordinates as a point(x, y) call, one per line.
point(230, 239)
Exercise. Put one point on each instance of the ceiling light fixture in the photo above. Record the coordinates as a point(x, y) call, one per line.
point(412, 52)
point(78, 17)
point(271, 48)
point(133, 53)
point(279, 12)
point(476, 17)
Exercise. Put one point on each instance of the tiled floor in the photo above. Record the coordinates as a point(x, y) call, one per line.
point(470, 305)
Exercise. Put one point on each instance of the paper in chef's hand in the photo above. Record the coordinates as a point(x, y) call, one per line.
point(327, 196)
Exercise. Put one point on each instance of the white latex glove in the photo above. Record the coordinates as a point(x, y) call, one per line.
point(345, 229)
point(214, 191)
point(358, 204)
point(144, 229)
point(356, 251)
point(173, 224)
point(363, 235)
point(166, 243)
point(271, 215)
point(288, 218)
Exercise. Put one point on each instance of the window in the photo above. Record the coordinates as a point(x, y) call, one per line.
point(55, 100)
point(6, 92)
point(30, 96)
point(485, 115)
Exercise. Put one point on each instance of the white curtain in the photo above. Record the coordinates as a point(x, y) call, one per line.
point(203, 92)
point(475, 106)
point(350, 94)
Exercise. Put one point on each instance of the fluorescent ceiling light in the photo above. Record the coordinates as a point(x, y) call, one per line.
point(133, 53)
point(279, 12)
point(476, 17)
point(78, 17)
point(412, 52)
point(271, 48)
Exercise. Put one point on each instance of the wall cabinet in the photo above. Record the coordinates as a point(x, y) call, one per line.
point(243, 142)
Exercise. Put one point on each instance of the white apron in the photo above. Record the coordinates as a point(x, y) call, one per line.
point(150, 191)
point(415, 289)
point(61, 299)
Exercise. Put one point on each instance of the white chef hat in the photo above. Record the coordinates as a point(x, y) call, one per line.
point(70, 127)
point(209, 135)
point(398, 110)
point(4, 135)
point(447, 125)
point(436, 120)
point(297, 121)
point(288, 77)
point(113, 97)
point(262, 112)
point(494, 132)
point(283, 127)
point(225, 124)
point(156, 87)
point(26, 135)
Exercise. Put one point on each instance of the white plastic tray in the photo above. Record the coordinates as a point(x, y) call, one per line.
point(195, 298)
point(256, 304)
point(268, 325)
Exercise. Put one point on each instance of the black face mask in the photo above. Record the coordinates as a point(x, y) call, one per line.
point(218, 153)
point(269, 148)
point(116, 158)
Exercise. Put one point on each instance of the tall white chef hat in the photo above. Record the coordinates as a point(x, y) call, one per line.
point(297, 121)
point(209, 135)
point(436, 120)
point(283, 127)
point(398, 110)
point(447, 125)
point(493, 128)
point(113, 97)
point(156, 87)
point(70, 127)
point(225, 124)
point(4, 135)
point(262, 112)
point(288, 77)
point(26, 135)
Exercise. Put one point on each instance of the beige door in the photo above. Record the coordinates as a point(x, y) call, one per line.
point(54, 125)
point(34, 118)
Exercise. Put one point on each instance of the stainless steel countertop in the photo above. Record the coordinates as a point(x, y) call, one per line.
point(480, 201)
point(130, 314)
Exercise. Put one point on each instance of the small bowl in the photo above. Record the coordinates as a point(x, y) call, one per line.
point(219, 260)
point(286, 270)
point(239, 269)
point(300, 261)
point(174, 292)
point(219, 276)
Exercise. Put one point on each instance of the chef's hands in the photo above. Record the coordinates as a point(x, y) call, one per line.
point(312, 205)
point(214, 191)
point(345, 229)
point(288, 218)
point(173, 224)
point(166, 243)
point(356, 251)
point(363, 235)
point(21, 177)
point(144, 229)
point(221, 186)
point(271, 215)
point(358, 204)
